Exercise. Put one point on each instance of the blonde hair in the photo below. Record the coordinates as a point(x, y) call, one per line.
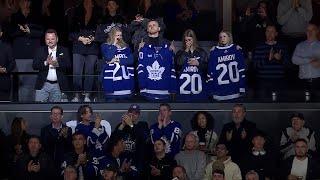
point(192, 34)
point(229, 34)
point(111, 36)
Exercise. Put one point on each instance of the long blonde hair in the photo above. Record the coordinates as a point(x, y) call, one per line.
point(111, 36)
point(229, 34)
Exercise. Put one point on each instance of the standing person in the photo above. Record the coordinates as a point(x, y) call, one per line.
point(156, 73)
point(191, 64)
point(91, 127)
point(202, 124)
point(136, 136)
point(52, 62)
point(226, 69)
point(307, 57)
point(56, 137)
point(238, 133)
point(7, 64)
point(270, 62)
point(167, 129)
point(118, 71)
point(85, 48)
point(297, 130)
point(161, 165)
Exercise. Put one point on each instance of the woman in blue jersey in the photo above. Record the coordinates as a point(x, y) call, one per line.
point(226, 69)
point(118, 71)
point(191, 64)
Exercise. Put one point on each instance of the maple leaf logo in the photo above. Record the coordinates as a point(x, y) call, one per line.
point(155, 71)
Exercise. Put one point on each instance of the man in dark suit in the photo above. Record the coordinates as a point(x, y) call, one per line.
point(52, 61)
point(7, 64)
point(238, 133)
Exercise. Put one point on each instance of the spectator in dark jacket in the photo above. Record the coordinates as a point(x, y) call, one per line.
point(238, 133)
point(300, 166)
point(85, 48)
point(56, 137)
point(34, 165)
point(7, 64)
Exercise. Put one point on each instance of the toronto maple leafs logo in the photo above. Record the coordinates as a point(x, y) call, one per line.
point(155, 71)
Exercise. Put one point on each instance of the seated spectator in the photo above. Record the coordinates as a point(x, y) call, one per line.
point(238, 133)
point(193, 160)
point(24, 31)
point(35, 164)
point(112, 19)
point(161, 165)
point(16, 142)
point(52, 62)
point(296, 131)
point(118, 70)
point(300, 166)
point(179, 173)
point(252, 175)
point(191, 64)
point(79, 158)
point(136, 136)
point(116, 158)
point(226, 69)
point(306, 56)
point(270, 62)
point(293, 16)
point(255, 23)
point(70, 173)
point(110, 173)
point(90, 126)
point(156, 73)
point(56, 137)
point(167, 130)
point(218, 175)
point(202, 124)
point(7, 64)
point(231, 169)
point(85, 48)
point(260, 159)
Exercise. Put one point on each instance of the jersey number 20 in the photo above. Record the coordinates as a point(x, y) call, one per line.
point(231, 69)
point(194, 80)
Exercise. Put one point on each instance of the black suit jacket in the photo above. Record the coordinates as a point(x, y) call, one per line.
point(7, 61)
point(63, 59)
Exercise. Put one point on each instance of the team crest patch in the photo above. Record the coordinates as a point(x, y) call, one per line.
point(155, 71)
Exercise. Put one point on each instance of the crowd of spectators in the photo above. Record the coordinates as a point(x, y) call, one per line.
point(135, 150)
point(267, 40)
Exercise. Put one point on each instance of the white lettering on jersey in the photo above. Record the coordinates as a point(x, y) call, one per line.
point(226, 58)
point(191, 69)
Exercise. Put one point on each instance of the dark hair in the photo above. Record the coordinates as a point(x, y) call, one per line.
point(183, 169)
point(77, 133)
point(57, 107)
point(240, 106)
point(209, 118)
point(301, 140)
point(218, 171)
point(163, 142)
point(113, 141)
point(34, 137)
point(166, 105)
point(51, 31)
point(16, 129)
point(82, 110)
point(298, 115)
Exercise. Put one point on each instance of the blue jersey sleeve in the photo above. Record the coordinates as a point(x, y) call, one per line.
point(127, 60)
point(173, 78)
point(108, 51)
point(242, 71)
point(141, 69)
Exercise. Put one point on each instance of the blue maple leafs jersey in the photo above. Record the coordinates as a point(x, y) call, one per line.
point(118, 78)
point(226, 72)
point(171, 134)
point(191, 83)
point(156, 73)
